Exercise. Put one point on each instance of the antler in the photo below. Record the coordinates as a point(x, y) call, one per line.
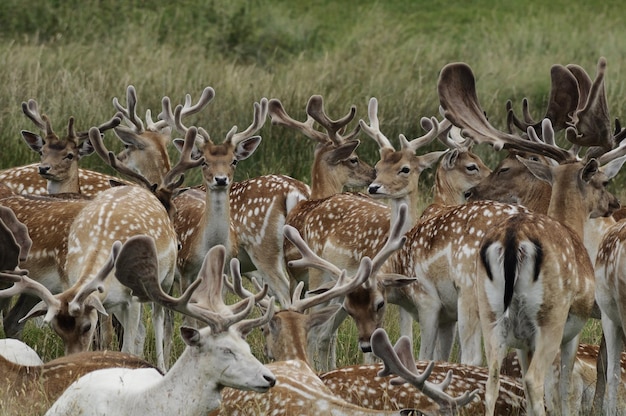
point(399, 360)
point(24, 284)
point(14, 240)
point(95, 284)
point(373, 130)
point(260, 115)
point(457, 94)
point(315, 112)
point(563, 102)
point(187, 109)
point(343, 284)
point(137, 268)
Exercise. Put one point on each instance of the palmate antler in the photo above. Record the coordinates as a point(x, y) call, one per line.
point(137, 268)
point(399, 360)
point(457, 94)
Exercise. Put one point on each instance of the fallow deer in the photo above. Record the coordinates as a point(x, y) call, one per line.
point(273, 195)
point(286, 339)
point(523, 296)
point(216, 356)
point(58, 170)
point(298, 389)
point(33, 388)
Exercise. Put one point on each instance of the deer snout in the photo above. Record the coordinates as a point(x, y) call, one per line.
point(43, 169)
point(221, 181)
point(271, 380)
point(373, 189)
point(365, 346)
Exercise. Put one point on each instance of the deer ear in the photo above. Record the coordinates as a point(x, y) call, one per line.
point(540, 170)
point(246, 147)
point(34, 141)
point(191, 336)
point(396, 280)
point(612, 168)
point(590, 169)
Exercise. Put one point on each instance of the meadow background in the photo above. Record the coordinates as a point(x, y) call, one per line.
point(74, 56)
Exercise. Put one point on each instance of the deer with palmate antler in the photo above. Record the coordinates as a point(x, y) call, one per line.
point(263, 200)
point(216, 356)
point(527, 284)
point(58, 171)
point(286, 339)
point(118, 213)
point(364, 221)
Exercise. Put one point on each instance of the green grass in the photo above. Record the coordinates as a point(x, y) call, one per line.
point(74, 56)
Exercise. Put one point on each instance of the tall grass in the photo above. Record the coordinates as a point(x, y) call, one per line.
point(74, 56)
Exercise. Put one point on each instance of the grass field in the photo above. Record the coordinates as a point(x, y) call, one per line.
point(74, 56)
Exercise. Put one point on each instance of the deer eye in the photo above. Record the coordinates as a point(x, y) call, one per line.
point(354, 160)
point(70, 156)
point(234, 163)
point(380, 305)
point(503, 170)
point(85, 328)
point(405, 169)
point(471, 168)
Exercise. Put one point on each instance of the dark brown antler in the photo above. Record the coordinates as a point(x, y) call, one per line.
point(399, 360)
point(457, 94)
point(137, 268)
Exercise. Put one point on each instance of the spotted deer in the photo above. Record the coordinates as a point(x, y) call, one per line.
point(33, 388)
point(521, 290)
point(215, 356)
point(298, 388)
point(273, 195)
point(120, 213)
point(58, 170)
point(286, 339)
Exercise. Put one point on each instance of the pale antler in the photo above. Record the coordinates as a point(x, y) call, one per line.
point(399, 360)
point(373, 130)
point(167, 116)
point(137, 268)
point(96, 283)
point(24, 284)
point(315, 112)
point(260, 115)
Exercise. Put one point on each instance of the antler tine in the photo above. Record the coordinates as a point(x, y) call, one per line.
point(16, 242)
point(31, 110)
point(130, 113)
point(395, 240)
point(373, 130)
point(97, 283)
point(591, 125)
point(260, 115)
point(205, 98)
point(185, 162)
point(315, 108)
point(309, 258)
point(279, 116)
point(421, 141)
point(115, 121)
point(237, 286)
point(246, 325)
point(27, 285)
point(343, 285)
point(457, 94)
point(449, 135)
point(405, 368)
point(109, 157)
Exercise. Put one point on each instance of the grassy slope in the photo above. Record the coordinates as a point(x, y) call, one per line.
point(74, 56)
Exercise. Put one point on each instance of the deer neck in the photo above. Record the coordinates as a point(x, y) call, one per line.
point(445, 193)
point(323, 182)
point(183, 386)
point(411, 200)
point(567, 207)
point(70, 185)
point(216, 219)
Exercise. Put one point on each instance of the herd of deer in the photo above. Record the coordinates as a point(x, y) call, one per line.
point(519, 257)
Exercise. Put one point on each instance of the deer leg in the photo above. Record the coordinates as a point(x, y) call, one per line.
point(613, 335)
point(406, 323)
point(158, 324)
point(470, 334)
point(429, 326)
point(270, 267)
point(543, 356)
point(323, 342)
point(495, 349)
point(568, 355)
point(134, 330)
point(445, 341)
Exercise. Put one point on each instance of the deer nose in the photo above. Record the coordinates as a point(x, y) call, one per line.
point(270, 380)
point(43, 169)
point(365, 346)
point(221, 180)
point(372, 189)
